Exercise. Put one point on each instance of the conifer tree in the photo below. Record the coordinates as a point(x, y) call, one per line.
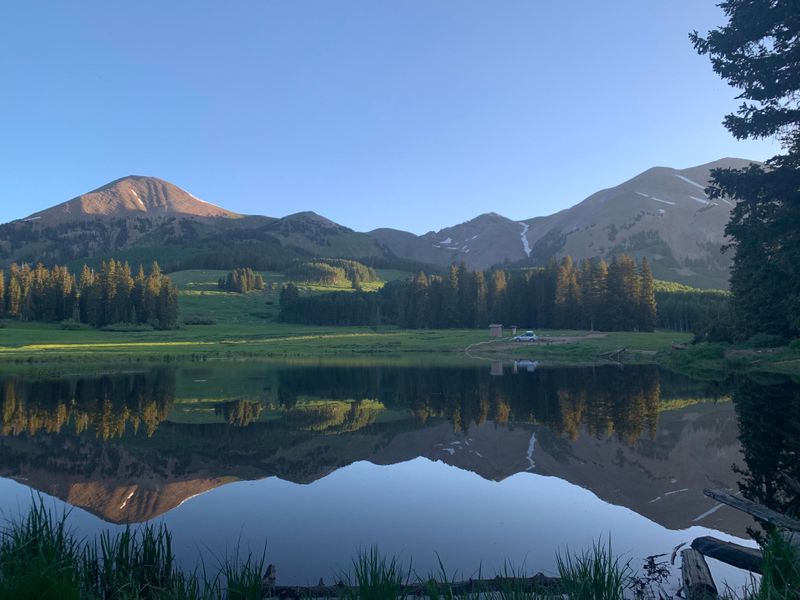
point(595, 292)
point(168, 305)
point(496, 294)
point(289, 295)
point(481, 300)
point(14, 297)
point(138, 297)
point(567, 295)
point(758, 52)
point(647, 298)
point(451, 298)
point(417, 309)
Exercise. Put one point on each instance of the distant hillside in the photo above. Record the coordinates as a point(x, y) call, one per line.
point(482, 242)
point(662, 213)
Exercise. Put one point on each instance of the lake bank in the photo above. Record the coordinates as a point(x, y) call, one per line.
point(25, 342)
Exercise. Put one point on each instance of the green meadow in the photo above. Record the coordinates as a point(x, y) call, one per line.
point(216, 324)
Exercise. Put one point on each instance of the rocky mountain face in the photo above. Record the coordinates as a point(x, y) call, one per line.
point(128, 197)
point(663, 214)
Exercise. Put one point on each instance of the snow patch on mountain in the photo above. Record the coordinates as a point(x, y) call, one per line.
point(139, 200)
point(524, 237)
point(690, 182)
point(662, 201)
point(529, 453)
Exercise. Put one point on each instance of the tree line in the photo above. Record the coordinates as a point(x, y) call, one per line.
point(603, 401)
point(111, 405)
point(241, 281)
point(332, 271)
point(619, 295)
point(692, 310)
point(97, 298)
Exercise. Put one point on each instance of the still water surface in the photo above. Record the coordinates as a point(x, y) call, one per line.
point(480, 464)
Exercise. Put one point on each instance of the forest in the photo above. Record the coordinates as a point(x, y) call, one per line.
point(101, 298)
point(698, 311)
point(332, 271)
point(615, 296)
point(241, 281)
point(626, 404)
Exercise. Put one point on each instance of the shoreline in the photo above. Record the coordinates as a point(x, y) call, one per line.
point(48, 344)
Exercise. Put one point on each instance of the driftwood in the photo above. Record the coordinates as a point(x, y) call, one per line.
point(732, 554)
point(697, 581)
point(759, 512)
point(538, 582)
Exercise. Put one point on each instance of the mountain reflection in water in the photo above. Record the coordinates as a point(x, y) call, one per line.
point(128, 447)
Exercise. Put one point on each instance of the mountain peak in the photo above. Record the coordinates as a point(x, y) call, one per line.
point(133, 195)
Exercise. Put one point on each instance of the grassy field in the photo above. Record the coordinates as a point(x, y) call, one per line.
point(219, 324)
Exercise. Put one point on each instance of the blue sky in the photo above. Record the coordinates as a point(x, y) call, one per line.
point(415, 114)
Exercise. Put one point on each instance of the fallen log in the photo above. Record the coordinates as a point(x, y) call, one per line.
point(537, 583)
point(759, 512)
point(732, 554)
point(697, 581)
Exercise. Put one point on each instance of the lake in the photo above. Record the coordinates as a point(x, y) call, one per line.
point(481, 464)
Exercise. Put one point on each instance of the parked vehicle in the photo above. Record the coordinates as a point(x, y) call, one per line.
point(528, 336)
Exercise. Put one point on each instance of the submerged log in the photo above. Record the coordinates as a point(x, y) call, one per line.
point(697, 581)
point(732, 554)
point(537, 583)
point(759, 512)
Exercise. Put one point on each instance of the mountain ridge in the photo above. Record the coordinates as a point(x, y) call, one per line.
point(662, 213)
